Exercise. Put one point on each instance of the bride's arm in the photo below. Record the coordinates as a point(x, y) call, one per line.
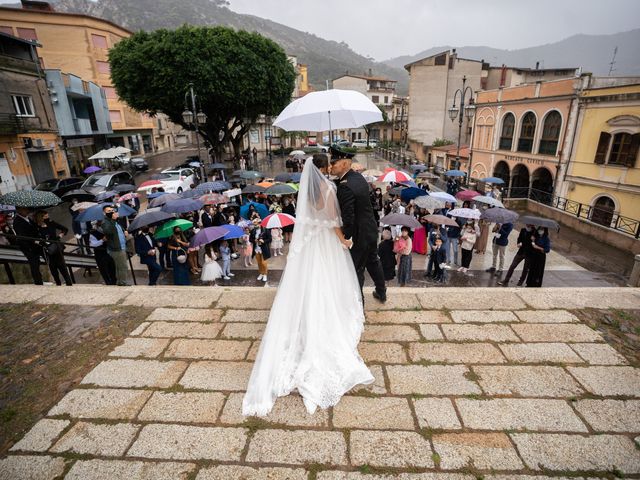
point(345, 243)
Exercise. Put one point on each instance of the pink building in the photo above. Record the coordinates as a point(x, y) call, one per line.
point(519, 133)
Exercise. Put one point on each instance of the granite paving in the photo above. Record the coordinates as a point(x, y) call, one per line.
point(501, 384)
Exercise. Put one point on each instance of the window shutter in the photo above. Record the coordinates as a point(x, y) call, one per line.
point(633, 151)
point(603, 146)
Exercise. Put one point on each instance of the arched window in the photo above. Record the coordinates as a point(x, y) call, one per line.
point(602, 211)
point(506, 136)
point(550, 134)
point(527, 131)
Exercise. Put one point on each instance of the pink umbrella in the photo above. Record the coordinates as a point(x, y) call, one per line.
point(149, 184)
point(440, 220)
point(395, 176)
point(128, 196)
point(214, 199)
point(465, 195)
point(278, 220)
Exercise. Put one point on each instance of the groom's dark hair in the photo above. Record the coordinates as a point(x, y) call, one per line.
point(320, 160)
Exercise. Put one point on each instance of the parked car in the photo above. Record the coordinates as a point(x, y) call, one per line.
point(139, 164)
point(105, 181)
point(343, 143)
point(319, 148)
point(180, 179)
point(60, 186)
point(362, 143)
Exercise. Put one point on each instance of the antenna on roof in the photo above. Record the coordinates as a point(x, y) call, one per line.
point(613, 61)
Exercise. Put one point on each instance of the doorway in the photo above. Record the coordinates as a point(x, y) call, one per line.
point(40, 166)
point(7, 183)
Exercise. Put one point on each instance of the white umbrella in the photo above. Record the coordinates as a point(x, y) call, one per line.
point(121, 150)
point(297, 152)
point(488, 201)
point(328, 109)
point(465, 213)
point(444, 196)
point(107, 153)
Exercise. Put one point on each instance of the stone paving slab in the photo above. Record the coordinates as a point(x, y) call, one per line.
point(575, 298)
point(563, 452)
point(557, 331)
point(186, 407)
point(185, 315)
point(287, 410)
point(140, 329)
point(519, 414)
point(19, 294)
point(390, 333)
point(408, 316)
point(599, 354)
point(546, 316)
point(298, 447)
point(374, 413)
point(164, 296)
point(397, 301)
point(608, 381)
point(382, 352)
point(610, 415)
point(187, 442)
point(430, 332)
point(140, 347)
point(455, 353)
point(436, 413)
point(107, 403)
point(41, 436)
point(135, 373)
point(252, 331)
point(131, 470)
point(479, 333)
point(245, 316)
point(236, 472)
point(430, 380)
point(338, 475)
point(540, 353)
point(472, 299)
point(254, 299)
point(185, 348)
point(108, 440)
point(378, 387)
point(483, 316)
point(390, 449)
point(31, 467)
point(182, 329)
point(94, 296)
point(527, 381)
point(221, 376)
point(484, 451)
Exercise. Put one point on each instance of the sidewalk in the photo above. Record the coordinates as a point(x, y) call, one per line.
point(470, 383)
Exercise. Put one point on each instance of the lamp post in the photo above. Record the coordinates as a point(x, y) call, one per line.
point(196, 119)
point(467, 110)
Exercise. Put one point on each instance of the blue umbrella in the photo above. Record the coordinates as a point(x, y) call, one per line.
point(151, 196)
point(234, 231)
point(283, 177)
point(260, 208)
point(105, 196)
point(295, 177)
point(95, 213)
point(191, 194)
point(213, 187)
point(494, 180)
point(418, 167)
point(455, 173)
point(410, 183)
point(149, 218)
point(182, 205)
point(411, 193)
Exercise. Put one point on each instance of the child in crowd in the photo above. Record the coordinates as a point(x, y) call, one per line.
point(246, 248)
point(439, 257)
point(277, 241)
point(211, 270)
point(225, 253)
point(403, 247)
point(387, 257)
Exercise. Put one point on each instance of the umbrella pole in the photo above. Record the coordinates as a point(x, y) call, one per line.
point(330, 131)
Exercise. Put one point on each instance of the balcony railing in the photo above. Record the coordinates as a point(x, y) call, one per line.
point(601, 216)
point(10, 123)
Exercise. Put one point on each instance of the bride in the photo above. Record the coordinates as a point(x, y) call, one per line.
point(311, 340)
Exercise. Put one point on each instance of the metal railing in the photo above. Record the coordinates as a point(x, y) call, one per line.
point(600, 216)
point(11, 123)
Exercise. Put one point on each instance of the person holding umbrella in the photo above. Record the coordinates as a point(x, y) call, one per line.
point(53, 232)
point(105, 263)
point(116, 239)
point(24, 226)
point(145, 246)
point(540, 246)
point(178, 246)
point(467, 241)
point(524, 246)
point(261, 240)
point(499, 246)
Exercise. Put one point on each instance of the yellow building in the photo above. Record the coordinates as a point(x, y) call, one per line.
point(78, 44)
point(603, 174)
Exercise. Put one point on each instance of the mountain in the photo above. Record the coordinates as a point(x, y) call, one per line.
point(326, 59)
point(591, 52)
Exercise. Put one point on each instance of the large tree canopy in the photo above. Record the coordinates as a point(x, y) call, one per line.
point(236, 75)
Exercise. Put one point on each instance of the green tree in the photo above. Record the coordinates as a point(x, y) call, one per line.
point(237, 76)
point(385, 119)
point(441, 142)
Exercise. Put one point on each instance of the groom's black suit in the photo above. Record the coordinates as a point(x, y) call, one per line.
point(359, 224)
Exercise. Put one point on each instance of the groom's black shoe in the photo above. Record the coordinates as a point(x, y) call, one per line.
point(382, 297)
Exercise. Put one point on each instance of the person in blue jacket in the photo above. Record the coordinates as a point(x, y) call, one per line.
point(500, 242)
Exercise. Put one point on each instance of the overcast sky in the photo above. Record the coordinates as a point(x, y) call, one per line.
point(389, 28)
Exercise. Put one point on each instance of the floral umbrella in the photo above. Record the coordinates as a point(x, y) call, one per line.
point(30, 199)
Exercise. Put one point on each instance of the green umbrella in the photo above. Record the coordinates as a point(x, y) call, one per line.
point(166, 230)
point(280, 189)
point(30, 199)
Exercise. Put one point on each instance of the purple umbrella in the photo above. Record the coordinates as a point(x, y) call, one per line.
point(208, 235)
point(92, 169)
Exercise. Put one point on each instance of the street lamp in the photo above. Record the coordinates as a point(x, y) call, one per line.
point(460, 112)
point(189, 118)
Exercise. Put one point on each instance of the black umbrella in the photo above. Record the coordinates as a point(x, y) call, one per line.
point(400, 219)
point(125, 187)
point(30, 199)
point(539, 222)
point(253, 189)
point(283, 177)
point(79, 194)
point(162, 199)
point(499, 215)
point(191, 194)
point(105, 195)
point(149, 219)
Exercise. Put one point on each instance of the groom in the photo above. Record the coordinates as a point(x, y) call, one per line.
point(359, 224)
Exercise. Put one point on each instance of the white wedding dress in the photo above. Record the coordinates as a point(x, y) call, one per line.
point(311, 340)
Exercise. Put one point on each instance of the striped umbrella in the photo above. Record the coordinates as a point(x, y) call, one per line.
point(278, 220)
point(395, 176)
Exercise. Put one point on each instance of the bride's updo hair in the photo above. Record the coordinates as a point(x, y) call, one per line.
point(320, 160)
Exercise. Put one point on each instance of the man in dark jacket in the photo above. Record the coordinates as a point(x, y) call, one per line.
point(500, 242)
point(359, 224)
point(524, 246)
point(116, 241)
point(146, 249)
point(24, 226)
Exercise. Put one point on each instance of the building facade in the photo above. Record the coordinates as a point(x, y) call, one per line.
point(78, 44)
point(30, 148)
point(603, 171)
point(380, 91)
point(519, 134)
point(82, 115)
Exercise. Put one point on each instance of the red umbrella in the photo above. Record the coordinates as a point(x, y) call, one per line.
point(214, 199)
point(278, 220)
point(465, 195)
point(149, 184)
point(394, 176)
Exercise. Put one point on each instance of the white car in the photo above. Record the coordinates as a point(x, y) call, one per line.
point(179, 181)
point(362, 143)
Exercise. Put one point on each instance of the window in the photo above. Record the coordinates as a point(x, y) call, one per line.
point(624, 149)
point(6, 29)
point(103, 67)
point(27, 33)
point(602, 211)
point(506, 137)
point(550, 134)
point(115, 116)
point(527, 131)
point(375, 99)
point(603, 148)
point(23, 105)
point(110, 92)
point(386, 99)
point(99, 41)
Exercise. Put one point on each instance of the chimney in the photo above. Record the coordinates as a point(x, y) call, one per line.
point(370, 73)
point(537, 65)
point(40, 5)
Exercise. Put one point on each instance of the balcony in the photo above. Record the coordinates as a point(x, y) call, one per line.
point(12, 124)
point(75, 86)
point(82, 126)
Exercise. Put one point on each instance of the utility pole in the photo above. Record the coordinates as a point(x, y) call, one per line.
point(613, 61)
